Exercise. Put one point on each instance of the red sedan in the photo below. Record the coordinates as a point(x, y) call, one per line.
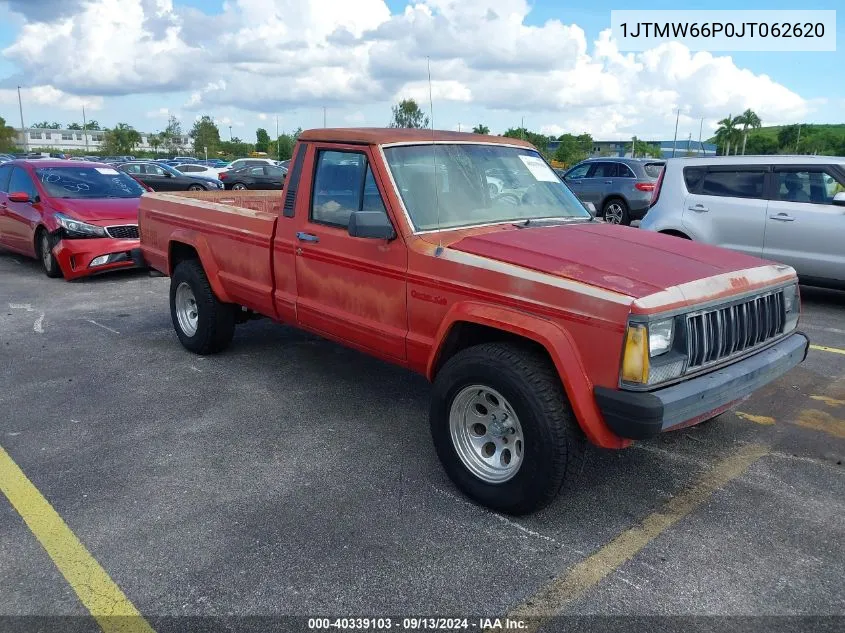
point(77, 218)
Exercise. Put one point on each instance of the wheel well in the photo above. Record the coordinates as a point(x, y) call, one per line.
point(613, 196)
point(676, 234)
point(179, 252)
point(464, 334)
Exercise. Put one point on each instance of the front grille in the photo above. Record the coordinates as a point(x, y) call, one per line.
point(714, 335)
point(125, 232)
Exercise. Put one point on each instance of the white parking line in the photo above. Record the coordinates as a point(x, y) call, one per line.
point(105, 327)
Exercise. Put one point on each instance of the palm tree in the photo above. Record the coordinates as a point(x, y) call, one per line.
point(748, 119)
point(726, 133)
point(481, 129)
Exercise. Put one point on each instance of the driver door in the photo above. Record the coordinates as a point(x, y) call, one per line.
point(350, 289)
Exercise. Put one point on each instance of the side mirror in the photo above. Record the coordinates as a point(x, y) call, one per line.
point(371, 224)
point(838, 199)
point(19, 196)
point(589, 206)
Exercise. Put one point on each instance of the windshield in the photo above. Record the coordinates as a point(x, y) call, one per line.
point(451, 186)
point(88, 182)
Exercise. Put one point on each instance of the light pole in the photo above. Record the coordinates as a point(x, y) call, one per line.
point(23, 127)
point(230, 133)
point(85, 128)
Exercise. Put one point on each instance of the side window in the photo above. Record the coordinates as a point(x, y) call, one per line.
point(274, 172)
point(817, 187)
point(623, 171)
point(733, 184)
point(5, 174)
point(21, 181)
point(343, 183)
point(603, 170)
point(578, 172)
point(693, 177)
point(132, 169)
point(154, 170)
point(256, 171)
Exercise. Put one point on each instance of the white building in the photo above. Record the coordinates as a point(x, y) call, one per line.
point(74, 140)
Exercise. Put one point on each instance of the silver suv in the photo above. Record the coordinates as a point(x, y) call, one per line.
point(789, 209)
point(620, 188)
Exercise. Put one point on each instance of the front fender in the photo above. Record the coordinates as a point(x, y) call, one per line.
point(559, 344)
point(209, 264)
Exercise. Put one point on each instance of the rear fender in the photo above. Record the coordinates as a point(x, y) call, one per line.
point(209, 264)
point(557, 342)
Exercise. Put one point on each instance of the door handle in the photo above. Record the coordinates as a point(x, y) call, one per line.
point(698, 207)
point(782, 217)
point(307, 237)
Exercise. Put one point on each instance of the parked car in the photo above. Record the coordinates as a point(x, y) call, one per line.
point(240, 163)
point(6, 157)
point(193, 169)
point(162, 177)
point(789, 209)
point(77, 218)
point(539, 326)
point(620, 188)
point(260, 177)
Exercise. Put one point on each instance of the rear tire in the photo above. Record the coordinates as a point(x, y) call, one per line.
point(45, 244)
point(203, 324)
point(239, 186)
point(496, 381)
point(196, 188)
point(615, 211)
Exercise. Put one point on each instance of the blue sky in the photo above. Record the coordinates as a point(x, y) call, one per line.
point(242, 65)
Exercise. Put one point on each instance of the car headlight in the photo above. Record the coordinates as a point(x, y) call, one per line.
point(660, 334)
point(75, 228)
point(648, 357)
point(791, 307)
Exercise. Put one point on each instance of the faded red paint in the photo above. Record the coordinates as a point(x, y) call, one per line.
point(569, 288)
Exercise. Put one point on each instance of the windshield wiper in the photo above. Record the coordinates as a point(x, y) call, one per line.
point(529, 222)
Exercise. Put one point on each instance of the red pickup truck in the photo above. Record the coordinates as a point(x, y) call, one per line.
point(540, 326)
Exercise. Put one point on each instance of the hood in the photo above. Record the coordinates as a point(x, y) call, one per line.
point(122, 210)
point(617, 258)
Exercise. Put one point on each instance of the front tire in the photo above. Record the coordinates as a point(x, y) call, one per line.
point(238, 186)
point(503, 428)
point(203, 324)
point(44, 247)
point(196, 188)
point(615, 211)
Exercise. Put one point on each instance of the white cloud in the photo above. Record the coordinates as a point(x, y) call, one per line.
point(274, 55)
point(51, 97)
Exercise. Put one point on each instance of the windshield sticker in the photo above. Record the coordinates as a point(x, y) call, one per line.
point(538, 168)
point(108, 171)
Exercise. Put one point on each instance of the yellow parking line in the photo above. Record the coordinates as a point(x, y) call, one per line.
point(759, 419)
point(821, 421)
point(100, 595)
point(822, 348)
point(537, 609)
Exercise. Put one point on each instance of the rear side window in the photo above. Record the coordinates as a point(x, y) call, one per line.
point(652, 170)
point(733, 184)
point(5, 174)
point(693, 177)
point(21, 181)
point(603, 170)
point(623, 171)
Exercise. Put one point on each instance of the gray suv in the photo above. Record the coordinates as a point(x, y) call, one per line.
point(620, 188)
point(789, 209)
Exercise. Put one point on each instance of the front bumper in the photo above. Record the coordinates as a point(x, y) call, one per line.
point(75, 256)
point(640, 415)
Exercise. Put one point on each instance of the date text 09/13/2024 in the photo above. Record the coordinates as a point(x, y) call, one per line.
point(417, 624)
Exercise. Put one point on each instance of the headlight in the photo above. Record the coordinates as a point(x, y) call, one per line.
point(635, 359)
point(660, 335)
point(791, 307)
point(79, 229)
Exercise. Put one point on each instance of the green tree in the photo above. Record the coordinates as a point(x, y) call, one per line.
point(748, 119)
point(481, 129)
point(540, 141)
point(262, 140)
point(121, 139)
point(155, 142)
point(282, 147)
point(788, 138)
point(759, 144)
point(408, 114)
point(205, 134)
point(171, 138)
point(7, 136)
point(726, 133)
point(235, 148)
point(649, 150)
point(73, 126)
point(92, 125)
point(41, 125)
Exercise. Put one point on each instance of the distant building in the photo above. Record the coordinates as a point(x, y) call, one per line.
point(623, 148)
point(74, 140)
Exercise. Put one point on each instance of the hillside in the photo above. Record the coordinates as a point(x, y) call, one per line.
point(815, 138)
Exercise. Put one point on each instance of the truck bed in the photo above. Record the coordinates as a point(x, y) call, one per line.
point(233, 231)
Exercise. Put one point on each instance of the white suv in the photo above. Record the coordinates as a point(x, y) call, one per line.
point(789, 209)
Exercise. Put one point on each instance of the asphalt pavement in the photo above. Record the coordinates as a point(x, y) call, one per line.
point(291, 476)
